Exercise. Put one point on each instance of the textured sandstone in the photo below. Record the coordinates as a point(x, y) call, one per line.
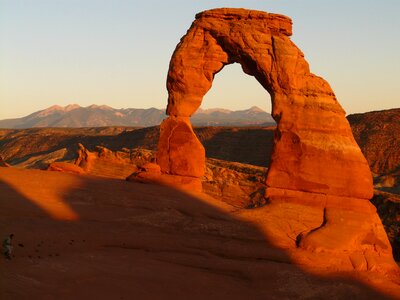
point(177, 182)
point(151, 173)
point(151, 167)
point(179, 150)
point(240, 185)
point(154, 242)
point(314, 149)
point(65, 167)
point(106, 163)
point(318, 181)
point(3, 163)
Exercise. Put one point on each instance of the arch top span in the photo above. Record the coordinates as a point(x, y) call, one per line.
point(219, 37)
point(277, 22)
point(258, 41)
point(314, 149)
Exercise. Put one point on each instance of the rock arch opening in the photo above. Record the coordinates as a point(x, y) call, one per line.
point(233, 89)
point(233, 135)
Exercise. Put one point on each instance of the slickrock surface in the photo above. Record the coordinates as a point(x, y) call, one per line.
point(86, 237)
point(312, 131)
point(151, 173)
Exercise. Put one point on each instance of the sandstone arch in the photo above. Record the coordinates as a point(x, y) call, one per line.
point(314, 149)
point(318, 181)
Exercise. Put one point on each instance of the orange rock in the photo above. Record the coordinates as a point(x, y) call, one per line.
point(104, 162)
point(179, 150)
point(339, 228)
point(65, 167)
point(84, 158)
point(151, 168)
point(3, 163)
point(318, 181)
point(314, 149)
point(184, 183)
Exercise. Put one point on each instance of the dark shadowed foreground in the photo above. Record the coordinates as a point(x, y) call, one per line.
point(85, 237)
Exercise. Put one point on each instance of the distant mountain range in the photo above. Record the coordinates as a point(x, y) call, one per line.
point(74, 115)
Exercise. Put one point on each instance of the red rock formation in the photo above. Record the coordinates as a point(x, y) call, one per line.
point(177, 140)
point(316, 164)
point(312, 131)
point(3, 163)
point(65, 167)
point(106, 163)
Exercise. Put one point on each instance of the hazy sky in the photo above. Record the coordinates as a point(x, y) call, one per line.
point(116, 52)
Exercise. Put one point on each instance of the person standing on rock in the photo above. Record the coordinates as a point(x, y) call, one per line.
point(7, 246)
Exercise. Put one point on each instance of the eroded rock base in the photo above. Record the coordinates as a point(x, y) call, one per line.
point(345, 232)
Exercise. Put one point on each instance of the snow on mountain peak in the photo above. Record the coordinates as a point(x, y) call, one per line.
point(212, 110)
point(104, 107)
point(255, 109)
point(70, 107)
point(57, 109)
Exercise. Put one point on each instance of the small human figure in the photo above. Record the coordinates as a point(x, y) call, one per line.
point(7, 246)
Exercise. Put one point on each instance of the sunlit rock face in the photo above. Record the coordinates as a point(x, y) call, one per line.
point(179, 150)
point(318, 183)
point(314, 149)
point(103, 162)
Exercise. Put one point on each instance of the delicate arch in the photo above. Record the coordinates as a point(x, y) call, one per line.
point(314, 149)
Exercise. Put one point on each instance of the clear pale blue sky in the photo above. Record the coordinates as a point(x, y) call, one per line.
point(116, 52)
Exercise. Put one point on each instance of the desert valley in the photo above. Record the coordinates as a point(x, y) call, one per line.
point(191, 203)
